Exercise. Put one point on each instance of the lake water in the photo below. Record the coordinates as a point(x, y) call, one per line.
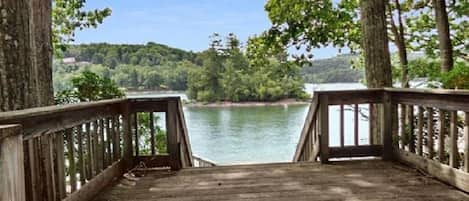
point(257, 134)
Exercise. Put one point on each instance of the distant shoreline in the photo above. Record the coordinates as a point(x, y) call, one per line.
point(284, 102)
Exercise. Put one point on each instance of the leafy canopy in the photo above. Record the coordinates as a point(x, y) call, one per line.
point(308, 24)
point(89, 86)
point(70, 15)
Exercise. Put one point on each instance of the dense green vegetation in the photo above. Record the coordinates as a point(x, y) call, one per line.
point(134, 67)
point(159, 67)
point(335, 69)
point(412, 27)
point(224, 72)
point(150, 54)
point(228, 74)
point(68, 16)
point(88, 86)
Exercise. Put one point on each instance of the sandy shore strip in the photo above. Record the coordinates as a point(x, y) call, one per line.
point(284, 102)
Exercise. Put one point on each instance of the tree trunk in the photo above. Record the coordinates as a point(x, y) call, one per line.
point(42, 10)
point(375, 44)
point(442, 25)
point(376, 52)
point(17, 88)
point(399, 41)
point(25, 54)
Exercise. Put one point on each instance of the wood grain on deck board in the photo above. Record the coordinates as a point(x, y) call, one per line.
point(344, 180)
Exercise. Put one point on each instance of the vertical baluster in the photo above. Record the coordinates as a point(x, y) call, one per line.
point(306, 153)
point(44, 171)
point(324, 123)
point(152, 133)
point(108, 142)
point(370, 124)
point(454, 153)
point(135, 124)
point(172, 136)
point(81, 163)
point(402, 125)
point(466, 142)
point(441, 136)
point(357, 120)
point(386, 127)
point(430, 143)
point(71, 160)
point(314, 138)
point(341, 122)
point(60, 164)
point(90, 153)
point(27, 172)
point(116, 139)
point(49, 167)
point(101, 145)
point(127, 135)
point(32, 151)
point(41, 179)
point(94, 148)
point(311, 141)
point(420, 132)
point(410, 122)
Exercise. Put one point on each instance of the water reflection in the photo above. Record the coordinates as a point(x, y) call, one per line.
point(245, 134)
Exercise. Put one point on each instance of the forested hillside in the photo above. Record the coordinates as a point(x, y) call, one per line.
point(223, 72)
point(159, 67)
point(335, 69)
point(111, 55)
point(134, 67)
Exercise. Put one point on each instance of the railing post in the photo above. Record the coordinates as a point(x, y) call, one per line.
point(127, 135)
point(12, 182)
point(172, 135)
point(386, 127)
point(324, 128)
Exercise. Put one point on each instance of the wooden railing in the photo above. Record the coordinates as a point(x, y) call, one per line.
point(200, 162)
point(314, 140)
point(71, 152)
point(427, 129)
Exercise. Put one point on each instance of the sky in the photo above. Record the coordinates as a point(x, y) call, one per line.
point(184, 24)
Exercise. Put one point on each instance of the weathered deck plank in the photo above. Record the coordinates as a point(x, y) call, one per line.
point(345, 180)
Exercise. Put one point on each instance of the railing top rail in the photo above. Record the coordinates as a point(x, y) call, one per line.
point(337, 91)
point(196, 157)
point(47, 110)
point(144, 99)
point(395, 90)
point(428, 91)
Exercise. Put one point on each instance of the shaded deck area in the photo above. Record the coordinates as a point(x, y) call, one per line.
point(344, 180)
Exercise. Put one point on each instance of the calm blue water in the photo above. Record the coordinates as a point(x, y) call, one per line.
point(258, 134)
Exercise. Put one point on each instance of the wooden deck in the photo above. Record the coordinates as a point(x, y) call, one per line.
point(78, 152)
point(345, 180)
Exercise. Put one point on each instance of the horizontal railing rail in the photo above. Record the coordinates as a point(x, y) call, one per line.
point(427, 129)
point(200, 162)
point(71, 152)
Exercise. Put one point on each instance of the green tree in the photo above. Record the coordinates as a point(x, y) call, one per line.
point(88, 86)
point(152, 80)
point(423, 26)
point(68, 16)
